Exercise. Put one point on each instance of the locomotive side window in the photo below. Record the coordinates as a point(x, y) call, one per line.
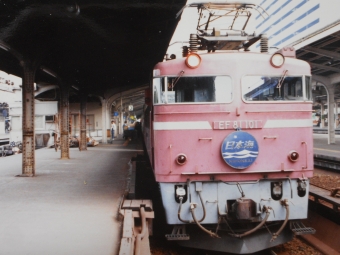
point(216, 89)
point(157, 90)
point(309, 88)
point(276, 88)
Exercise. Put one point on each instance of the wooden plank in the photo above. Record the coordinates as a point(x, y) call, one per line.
point(126, 246)
point(126, 204)
point(128, 224)
point(148, 215)
point(135, 204)
point(148, 205)
point(128, 240)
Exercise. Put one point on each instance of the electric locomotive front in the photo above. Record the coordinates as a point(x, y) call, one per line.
point(230, 141)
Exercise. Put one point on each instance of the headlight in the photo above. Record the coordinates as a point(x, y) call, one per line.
point(193, 60)
point(276, 190)
point(277, 60)
point(181, 159)
point(293, 156)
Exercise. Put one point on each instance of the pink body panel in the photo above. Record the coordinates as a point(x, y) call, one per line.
point(202, 145)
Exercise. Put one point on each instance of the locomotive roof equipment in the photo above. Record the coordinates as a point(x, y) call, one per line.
point(221, 26)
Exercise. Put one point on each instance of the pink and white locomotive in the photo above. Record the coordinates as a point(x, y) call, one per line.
point(229, 137)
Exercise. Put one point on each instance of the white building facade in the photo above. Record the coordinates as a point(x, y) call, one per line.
point(297, 22)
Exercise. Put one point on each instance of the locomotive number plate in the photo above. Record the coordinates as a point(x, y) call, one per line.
point(234, 124)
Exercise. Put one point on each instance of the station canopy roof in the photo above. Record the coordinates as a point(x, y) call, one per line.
point(99, 46)
point(323, 56)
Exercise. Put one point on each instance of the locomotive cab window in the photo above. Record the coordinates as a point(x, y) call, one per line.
point(168, 90)
point(276, 88)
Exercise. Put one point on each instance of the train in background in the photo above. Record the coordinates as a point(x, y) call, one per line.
point(229, 138)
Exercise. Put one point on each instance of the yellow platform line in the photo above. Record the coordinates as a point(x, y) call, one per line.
point(325, 150)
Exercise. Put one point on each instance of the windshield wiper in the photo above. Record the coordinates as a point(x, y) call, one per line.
point(176, 80)
point(281, 81)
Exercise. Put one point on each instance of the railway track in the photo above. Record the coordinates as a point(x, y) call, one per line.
point(324, 194)
point(138, 220)
point(326, 162)
point(324, 209)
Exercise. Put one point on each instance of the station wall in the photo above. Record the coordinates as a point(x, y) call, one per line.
point(93, 118)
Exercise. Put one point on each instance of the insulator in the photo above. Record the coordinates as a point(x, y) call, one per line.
point(264, 43)
point(185, 51)
point(193, 43)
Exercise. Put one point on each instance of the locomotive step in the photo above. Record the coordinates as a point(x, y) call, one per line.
point(178, 234)
point(177, 237)
point(300, 229)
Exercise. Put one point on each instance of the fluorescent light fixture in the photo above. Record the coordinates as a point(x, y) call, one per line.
point(4, 46)
point(48, 72)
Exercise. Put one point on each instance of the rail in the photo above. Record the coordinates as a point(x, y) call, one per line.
point(327, 162)
point(324, 197)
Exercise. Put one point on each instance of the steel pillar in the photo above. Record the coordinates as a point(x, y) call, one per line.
point(64, 123)
point(336, 114)
point(82, 121)
point(28, 115)
point(322, 124)
point(108, 117)
point(121, 115)
point(330, 87)
point(104, 123)
point(331, 122)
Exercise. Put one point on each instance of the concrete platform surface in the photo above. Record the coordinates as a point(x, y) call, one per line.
point(322, 148)
point(69, 207)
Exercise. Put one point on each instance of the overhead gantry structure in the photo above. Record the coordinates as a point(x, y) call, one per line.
point(323, 56)
point(86, 47)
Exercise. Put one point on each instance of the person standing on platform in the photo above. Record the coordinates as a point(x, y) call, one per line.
point(125, 127)
point(113, 129)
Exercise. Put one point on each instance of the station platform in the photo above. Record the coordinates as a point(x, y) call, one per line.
point(322, 147)
point(70, 206)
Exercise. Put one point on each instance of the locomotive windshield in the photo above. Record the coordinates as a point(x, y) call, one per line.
point(276, 88)
point(216, 89)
